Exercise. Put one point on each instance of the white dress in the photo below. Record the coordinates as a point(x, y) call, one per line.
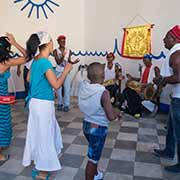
point(43, 140)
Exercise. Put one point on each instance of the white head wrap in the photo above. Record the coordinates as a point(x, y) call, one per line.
point(44, 37)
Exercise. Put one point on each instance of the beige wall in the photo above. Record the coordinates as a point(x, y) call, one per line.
point(68, 19)
point(106, 19)
point(93, 25)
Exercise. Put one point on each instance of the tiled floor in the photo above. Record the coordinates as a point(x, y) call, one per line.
point(127, 154)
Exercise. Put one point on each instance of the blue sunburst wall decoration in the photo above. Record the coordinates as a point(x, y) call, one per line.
point(37, 6)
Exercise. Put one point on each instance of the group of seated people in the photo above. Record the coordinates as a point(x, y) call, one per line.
point(137, 92)
point(130, 99)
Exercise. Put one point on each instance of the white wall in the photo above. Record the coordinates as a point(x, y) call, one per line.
point(94, 25)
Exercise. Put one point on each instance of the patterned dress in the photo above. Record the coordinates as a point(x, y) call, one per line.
point(5, 113)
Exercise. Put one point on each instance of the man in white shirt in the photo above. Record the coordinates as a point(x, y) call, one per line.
point(171, 75)
point(62, 55)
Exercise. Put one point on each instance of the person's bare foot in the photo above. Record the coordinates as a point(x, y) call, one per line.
point(2, 157)
point(42, 175)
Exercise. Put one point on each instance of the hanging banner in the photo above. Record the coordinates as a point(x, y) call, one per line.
point(136, 41)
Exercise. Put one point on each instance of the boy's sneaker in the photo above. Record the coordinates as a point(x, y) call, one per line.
point(113, 100)
point(60, 107)
point(99, 176)
point(137, 115)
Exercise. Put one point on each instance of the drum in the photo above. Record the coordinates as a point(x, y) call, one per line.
point(149, 92)
point(109, 82)
point(134, 85)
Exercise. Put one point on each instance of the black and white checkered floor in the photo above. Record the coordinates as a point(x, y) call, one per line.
point(128, 152)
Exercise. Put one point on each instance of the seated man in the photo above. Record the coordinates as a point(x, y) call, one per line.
point(112, 73)
point(134, 87)
point(131, 99)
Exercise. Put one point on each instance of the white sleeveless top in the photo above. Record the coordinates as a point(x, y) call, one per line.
point(168, 71)
point(109, 73)
point(60, 67)
point(89, 101)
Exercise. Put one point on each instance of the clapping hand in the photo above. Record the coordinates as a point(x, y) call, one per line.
point(69, 59)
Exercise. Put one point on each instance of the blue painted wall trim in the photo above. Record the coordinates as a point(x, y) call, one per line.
point(104, 53)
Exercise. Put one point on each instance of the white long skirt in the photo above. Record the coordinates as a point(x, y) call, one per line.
point(43, 140)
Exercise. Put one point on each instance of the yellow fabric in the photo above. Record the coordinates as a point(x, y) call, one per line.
point(137, 41)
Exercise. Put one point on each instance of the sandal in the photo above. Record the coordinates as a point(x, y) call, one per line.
point(35, 175)
point(4, 160)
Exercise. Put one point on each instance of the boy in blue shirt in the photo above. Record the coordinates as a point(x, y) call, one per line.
point(94, 102)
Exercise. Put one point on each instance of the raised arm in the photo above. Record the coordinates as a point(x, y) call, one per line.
point(16, 61)
point(57, 82)
point(19, 60)
point(74, 61)
point(13, 42)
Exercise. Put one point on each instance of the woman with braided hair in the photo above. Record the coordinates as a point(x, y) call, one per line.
point(5, 111)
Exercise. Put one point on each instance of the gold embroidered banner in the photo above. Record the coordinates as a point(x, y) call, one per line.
point(136, 41)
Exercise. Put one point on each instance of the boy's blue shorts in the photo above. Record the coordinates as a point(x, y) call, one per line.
point(96, 137)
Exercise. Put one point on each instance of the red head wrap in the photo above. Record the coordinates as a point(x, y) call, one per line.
point(110, 54)
point(61, 37)
point(175, 31)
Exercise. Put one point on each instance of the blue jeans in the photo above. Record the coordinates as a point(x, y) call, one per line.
point(173, 125)
point(66, 89)
point(96, 137)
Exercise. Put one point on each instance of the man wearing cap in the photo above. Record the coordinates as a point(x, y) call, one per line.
point(61, 55)
point(171, 75)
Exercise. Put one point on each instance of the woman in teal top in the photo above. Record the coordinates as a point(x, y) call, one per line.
point(43, 140)
point(5, 112)
point(40, 86)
